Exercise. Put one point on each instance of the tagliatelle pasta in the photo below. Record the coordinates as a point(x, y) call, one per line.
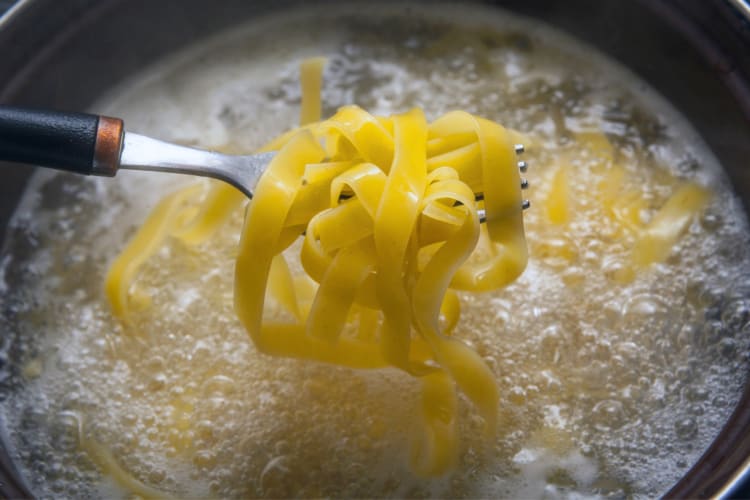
point(387, 213)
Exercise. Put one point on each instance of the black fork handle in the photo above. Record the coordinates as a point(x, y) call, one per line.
point(77, 142)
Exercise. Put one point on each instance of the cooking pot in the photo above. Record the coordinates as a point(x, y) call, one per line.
point(695, 52)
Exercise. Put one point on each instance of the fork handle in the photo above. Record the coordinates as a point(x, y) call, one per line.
point(77, 142)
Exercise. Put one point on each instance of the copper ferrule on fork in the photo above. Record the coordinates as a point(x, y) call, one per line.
point(110, 133)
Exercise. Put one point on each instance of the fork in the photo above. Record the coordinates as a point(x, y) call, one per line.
point(99, 145)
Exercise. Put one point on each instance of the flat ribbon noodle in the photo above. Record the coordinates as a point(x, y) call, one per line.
point(387, 209)
point(502, 202)
point(402, 193)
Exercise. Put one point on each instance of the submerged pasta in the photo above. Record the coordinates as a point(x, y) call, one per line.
point(388, 212)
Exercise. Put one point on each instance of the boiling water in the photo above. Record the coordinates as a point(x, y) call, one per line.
point(608, 388)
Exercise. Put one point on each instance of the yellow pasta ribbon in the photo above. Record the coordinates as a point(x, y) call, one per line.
point(387, 207)
point(311, 80)
point(394, 224)
point(502, 201)
point(163, 220)
point(658, 239)
point(108, 464)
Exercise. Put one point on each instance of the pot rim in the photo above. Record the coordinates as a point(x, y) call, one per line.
point(742, 6)
point(18, 5)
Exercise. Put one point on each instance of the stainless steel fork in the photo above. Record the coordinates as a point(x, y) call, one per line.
point(99, 145)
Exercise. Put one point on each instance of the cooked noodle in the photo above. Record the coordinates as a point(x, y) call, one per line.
point(389, 217)
point(387, 210)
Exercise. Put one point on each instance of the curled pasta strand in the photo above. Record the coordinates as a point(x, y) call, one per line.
point(387, 209)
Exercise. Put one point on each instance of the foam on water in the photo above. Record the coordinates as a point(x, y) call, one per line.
point(608, 389)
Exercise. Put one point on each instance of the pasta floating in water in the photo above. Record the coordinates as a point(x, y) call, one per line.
point(387, 212)
point(654, 229)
